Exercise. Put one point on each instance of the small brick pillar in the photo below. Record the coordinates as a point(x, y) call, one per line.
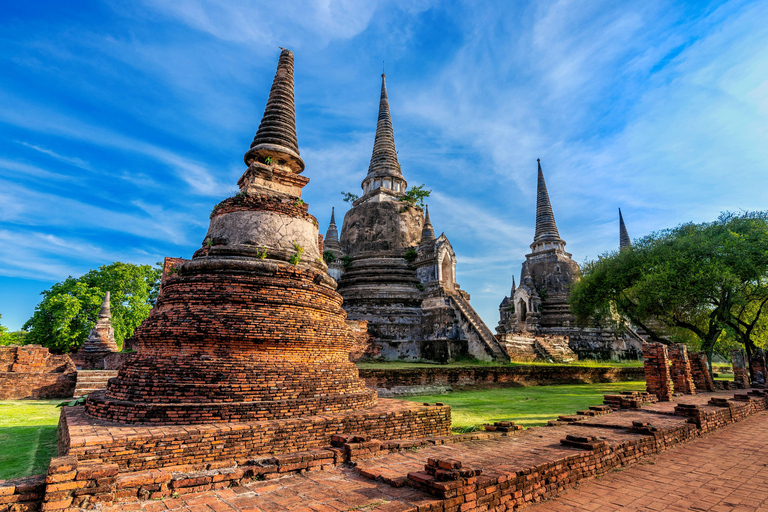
point(681, 369)
point(700, 372)
point(740, 370)
point(757, 363)
point(657, 375)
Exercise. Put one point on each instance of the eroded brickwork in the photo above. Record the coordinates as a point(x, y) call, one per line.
point(681, 369)
point(657, 374)
point(32, 372)
point(702, 378)
point(740, 368)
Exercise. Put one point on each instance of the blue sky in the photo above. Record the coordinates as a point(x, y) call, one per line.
point(122, 124)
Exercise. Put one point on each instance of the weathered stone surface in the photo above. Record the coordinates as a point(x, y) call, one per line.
point(32, 372)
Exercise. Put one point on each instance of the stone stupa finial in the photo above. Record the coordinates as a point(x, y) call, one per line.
point(427, 232)
point(276, 137)
point(624, 240)
point(546, 228)
point(332, 234)
point(514, 288)
point(105, 311)
point(384, 169)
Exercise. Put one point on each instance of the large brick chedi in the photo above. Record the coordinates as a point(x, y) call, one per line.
point(251, 327)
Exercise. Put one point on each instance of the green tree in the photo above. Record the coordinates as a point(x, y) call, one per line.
point(11, 338)
point(69, 309)
point(416, 195)
point(690, 280)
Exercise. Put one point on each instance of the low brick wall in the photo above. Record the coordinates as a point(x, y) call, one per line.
point(134, 447)
point(32, 372)
point(410, 381)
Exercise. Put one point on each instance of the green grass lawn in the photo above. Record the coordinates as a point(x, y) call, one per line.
point(27, 436)
point(530, 407)
point(393, 365)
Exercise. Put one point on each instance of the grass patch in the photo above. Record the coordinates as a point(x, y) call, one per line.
point(28, 438)
point(468, 363)
point(530, 407)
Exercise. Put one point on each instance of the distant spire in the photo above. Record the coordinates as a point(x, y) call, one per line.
point(105, 311)
point(427, 232)
point(624, 240)
point(332, 233)
point(512, 293)
point(384, 157)
point(276, 136)
point(546, 229)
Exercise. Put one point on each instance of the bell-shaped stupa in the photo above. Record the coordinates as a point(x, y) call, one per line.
point(251, 328)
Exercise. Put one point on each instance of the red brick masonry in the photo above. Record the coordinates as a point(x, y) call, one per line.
point(32, 372)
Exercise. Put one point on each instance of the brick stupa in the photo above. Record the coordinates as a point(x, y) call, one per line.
point(251, 327)
point(100, 341)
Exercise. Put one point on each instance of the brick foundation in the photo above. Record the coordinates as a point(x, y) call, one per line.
point(134, 447)
point(657, 374)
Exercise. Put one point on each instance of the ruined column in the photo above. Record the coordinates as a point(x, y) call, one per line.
point(657, 375)
point(740, 370)
point(681, 370)
point(702, 378)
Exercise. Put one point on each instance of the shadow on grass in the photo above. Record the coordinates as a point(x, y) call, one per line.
point(26, 451)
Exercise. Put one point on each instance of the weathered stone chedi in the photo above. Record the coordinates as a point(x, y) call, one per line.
point(100, 341)
point(250, 328)
point(398, 277)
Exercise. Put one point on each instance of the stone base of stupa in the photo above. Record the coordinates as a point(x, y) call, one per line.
point(136, 447)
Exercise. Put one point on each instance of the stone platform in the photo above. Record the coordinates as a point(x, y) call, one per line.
point(135, 447)
point(469, 472)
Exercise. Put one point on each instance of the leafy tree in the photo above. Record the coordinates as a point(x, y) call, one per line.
point(416, 195)
point(11, 338)
point(69, 309)
point(349, 197)
point(695, 279)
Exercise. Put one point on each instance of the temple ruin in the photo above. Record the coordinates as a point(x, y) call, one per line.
point(394, 273)
point(535, 319)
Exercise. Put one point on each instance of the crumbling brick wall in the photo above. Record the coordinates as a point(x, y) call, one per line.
point(657, 374)
point(702, 379)
point(740, 369)
point(681, 369)
point(31, 371)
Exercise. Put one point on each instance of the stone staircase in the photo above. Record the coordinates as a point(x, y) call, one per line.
point(484, 334)
point(554, 349)
point(92, 380)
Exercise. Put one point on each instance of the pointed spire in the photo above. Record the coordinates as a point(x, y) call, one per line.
point(276, 136)
point(332, 234)
point(546, 229)
point(384, 158)
point(514, 288)
point(427, 232)
point(624, 240)
point(105, 311)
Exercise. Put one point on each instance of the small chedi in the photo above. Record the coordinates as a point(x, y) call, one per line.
point(100, 341)
point(535, 319)
point(250, 328)
point(396, 275)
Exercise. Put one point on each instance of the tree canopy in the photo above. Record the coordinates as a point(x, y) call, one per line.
point(704, 281)
point(69, 309)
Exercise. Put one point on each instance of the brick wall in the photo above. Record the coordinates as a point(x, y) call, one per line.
point(657, 374)
point(702, 379)
point(740, 368)
point(32, 372)
point(681, 369)
point(404, 381)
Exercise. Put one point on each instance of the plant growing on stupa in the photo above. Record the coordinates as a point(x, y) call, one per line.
point(415, 195)
point(349, 197)
point(296, 258)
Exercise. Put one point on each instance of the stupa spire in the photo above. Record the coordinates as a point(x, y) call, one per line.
point(624, 240)
point(514, 287)
point(105, 311)
point(276, 137)
point(427, 232)
point(384, 158)
point(546, 229)
point(332, 234)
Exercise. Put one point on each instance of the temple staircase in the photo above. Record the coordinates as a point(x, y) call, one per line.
point(484, 334)
point(92, 380)
point(554, 349)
